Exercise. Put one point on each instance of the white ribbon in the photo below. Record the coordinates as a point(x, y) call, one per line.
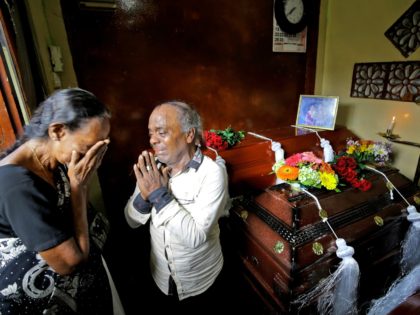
point(278, 151)
point(325, 144)
point(337, 293)
point(408, 282)
point(328, 151)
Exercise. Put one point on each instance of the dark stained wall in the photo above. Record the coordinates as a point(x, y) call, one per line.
point(214, 54)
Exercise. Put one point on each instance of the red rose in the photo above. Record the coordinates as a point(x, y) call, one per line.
point(214, 141)
point(341, 162)
point(355, 183)
point(351, 162)
point(350, 175)
point(365, 185)
point(340, 167)
point(340, 170)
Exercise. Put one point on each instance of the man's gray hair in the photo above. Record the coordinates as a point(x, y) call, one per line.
point(189, 118)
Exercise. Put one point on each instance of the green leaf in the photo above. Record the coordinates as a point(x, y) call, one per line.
point(229, 135)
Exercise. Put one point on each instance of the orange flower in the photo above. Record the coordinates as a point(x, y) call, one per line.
point(287, 172)
point(326, 168)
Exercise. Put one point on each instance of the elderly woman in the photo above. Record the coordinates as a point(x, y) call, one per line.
point(50, 254)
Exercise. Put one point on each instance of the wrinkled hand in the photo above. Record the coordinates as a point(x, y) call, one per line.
point(82, 167)
point(149, 176)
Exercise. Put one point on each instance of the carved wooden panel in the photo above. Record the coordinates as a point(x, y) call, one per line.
point(405, 32)
point(399, 81)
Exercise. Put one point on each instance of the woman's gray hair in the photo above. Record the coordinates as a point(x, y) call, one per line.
point(189, 118)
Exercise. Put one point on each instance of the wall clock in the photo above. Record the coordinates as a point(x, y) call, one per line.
point(291, 15)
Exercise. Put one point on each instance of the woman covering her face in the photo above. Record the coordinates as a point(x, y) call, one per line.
point(50, 240)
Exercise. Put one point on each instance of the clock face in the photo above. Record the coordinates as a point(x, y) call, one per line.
point(292, 15)
point(293, 10)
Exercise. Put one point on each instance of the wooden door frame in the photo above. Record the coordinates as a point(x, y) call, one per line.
point(13, 108)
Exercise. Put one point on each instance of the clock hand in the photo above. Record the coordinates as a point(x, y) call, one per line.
point(291, 11)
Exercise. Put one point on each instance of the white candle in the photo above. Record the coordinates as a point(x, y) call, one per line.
point(391, 126)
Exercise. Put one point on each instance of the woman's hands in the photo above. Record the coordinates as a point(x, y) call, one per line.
point(149, 176)
point(80, 170)
point(82, 167)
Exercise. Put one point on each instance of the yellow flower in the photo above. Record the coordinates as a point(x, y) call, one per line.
point(364, 145)
point(328, 180)
point(351, 149)
point(287, 172)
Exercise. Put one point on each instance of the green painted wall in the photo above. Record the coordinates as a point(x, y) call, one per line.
point(353, 32)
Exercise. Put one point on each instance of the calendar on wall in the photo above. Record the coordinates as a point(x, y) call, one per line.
point(284, 42)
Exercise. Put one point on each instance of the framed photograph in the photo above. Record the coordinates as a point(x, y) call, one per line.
point(301, 131)
point(316, 111)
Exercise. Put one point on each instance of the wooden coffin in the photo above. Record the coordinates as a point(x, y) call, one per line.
point(288, 249)
point(285, 248)
point(249, 164)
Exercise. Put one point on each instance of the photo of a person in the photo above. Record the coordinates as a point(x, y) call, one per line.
point(317, 111)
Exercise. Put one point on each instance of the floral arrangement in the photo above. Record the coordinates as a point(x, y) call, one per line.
point(308, 170)
point(367, 151)
point(222, 139)
point(349, 164)
point(350, 171)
